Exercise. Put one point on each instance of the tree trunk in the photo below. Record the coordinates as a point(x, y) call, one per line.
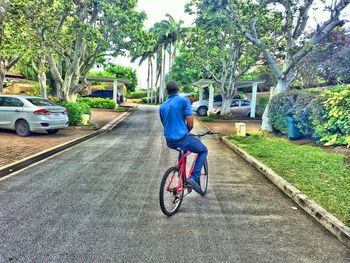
point(151, 65)
point(282, 86)
point(148, 80)
point(226, 103)
point(2, 77)
point(42, 83)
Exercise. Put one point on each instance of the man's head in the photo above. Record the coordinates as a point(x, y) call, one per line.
point(172, 87)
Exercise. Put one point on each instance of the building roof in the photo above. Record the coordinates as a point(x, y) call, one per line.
point(239, 83)
point(108, 80)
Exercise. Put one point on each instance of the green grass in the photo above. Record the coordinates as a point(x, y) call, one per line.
point(208, 118)
point(321, 175)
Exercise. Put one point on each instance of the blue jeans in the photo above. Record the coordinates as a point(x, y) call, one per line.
point(194, 145)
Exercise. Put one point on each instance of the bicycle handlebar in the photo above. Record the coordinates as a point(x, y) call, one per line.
point(207, 133)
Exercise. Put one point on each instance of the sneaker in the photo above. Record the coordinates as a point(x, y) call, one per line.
point(195, 184)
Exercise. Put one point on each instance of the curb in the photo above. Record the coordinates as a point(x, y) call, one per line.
point(330, 222)
point(21, 164)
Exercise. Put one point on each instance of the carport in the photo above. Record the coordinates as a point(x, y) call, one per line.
point(240, 84)
point(115, 82)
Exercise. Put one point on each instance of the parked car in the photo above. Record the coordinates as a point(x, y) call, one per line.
point(238, 107)
point(27, 114)
point(201, 106)
point(105, 94)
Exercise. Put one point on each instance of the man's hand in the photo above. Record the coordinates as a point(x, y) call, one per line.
point(190, 122)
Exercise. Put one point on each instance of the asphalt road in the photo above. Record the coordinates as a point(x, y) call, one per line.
point(98, 202)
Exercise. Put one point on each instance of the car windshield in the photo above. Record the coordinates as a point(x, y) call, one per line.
point(40, 102)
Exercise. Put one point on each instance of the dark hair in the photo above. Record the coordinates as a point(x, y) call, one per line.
point(172, 87)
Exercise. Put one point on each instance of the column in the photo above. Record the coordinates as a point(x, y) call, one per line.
point(253, 103)
point(200, 94)
point(211, 99)
point(115, 90)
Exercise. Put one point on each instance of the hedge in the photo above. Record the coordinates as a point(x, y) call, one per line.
point(137, 94)
point(333, 126)
point(75, 111)
point(98, 103)
point(325, 116)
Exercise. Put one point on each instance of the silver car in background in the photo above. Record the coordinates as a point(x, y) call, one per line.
point(26, 114)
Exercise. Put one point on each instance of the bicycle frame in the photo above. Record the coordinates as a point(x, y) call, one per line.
point(181, 164)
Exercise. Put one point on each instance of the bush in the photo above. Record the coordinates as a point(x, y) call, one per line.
point(333, 126)
point(306, 105)
point(137, 94)
point(144, 100)
point(263, 101)
point(75, 111)
point(99, 103)
point(280, 107)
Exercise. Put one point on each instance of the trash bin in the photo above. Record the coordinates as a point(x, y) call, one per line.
point(293, 131)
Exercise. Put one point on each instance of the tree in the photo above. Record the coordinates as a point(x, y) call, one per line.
point(184, 72)
point(75, 33)
point(146, 50)
point(331, 58)
point(218, 47)
point(124, 72)
point(285, 45)
point(10, 42)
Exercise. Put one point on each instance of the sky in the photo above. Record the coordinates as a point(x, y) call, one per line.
point(156, 11)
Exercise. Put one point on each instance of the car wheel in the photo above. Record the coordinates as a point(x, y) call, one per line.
point(22, 128)
point(52, 131)
point(202, 111)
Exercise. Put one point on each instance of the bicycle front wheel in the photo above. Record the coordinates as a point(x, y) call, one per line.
point(171, 191)
point(204, 178)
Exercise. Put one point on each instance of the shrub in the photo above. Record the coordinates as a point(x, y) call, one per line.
point(144, 100)
point(99, 103)
point(75, 111)
point(280, 107)
point(263, 101)
point(304, 108)
point(333, 126)
point(137, 94)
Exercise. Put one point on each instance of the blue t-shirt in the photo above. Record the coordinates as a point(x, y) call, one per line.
point(172, 114)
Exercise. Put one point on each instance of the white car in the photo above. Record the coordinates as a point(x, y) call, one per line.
point(27, 114)
point(201, 106)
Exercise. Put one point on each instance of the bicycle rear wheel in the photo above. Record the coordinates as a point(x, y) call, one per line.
point(170, 198)
point(204, 178)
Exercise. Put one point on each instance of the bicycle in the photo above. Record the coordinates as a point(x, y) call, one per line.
point(173, 185)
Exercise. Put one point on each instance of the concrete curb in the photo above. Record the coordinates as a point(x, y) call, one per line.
point(331, 223)
point(21, 164)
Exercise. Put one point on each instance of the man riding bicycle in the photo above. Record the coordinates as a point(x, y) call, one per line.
point(177, 119)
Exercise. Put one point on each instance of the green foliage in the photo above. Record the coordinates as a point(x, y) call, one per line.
point(280, 107)
point(129, 73)
point(333, 127)
point(137, 94)
point(208, 118)
point(98, 103)
point(75, 111)
point(144, 100)
point(263, 101)
point(321, 175)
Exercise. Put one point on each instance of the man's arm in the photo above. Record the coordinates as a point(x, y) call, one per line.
point(189, 122)
point(189, 116)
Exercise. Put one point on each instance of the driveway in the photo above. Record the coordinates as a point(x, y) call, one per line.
point(98, 202)
point(15, 148)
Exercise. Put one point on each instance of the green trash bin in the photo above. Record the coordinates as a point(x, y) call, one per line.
point(293, 131)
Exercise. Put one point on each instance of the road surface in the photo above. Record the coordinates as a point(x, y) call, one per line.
point(98, 202)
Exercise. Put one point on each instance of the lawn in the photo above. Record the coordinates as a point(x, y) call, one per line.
point(321, 175)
